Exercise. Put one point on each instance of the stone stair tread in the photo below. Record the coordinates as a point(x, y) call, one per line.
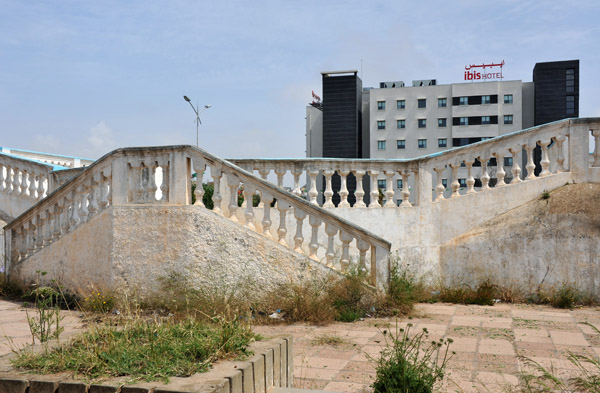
point(296, 390)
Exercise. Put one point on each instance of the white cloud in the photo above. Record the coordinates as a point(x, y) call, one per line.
point(100, 141)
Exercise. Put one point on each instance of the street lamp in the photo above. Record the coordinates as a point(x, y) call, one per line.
point(198, 122)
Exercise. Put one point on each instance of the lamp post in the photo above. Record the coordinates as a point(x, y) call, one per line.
point(198, 122)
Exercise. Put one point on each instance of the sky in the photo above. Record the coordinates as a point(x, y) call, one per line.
point(83, 78)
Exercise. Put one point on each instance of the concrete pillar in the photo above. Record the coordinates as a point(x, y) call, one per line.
point(120, 180)
point(579, 163)
point(424, 186)
point(180, 178)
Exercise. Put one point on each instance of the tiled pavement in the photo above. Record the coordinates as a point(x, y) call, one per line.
point(487, 341)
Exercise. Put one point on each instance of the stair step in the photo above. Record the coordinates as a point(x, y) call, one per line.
point(295, 390)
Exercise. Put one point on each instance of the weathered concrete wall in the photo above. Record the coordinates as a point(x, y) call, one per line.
point(78, 260)
point(554, 241)
point(134, 248)
point(153, 243)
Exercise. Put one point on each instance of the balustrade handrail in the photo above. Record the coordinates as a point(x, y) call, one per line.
point(308, 163)
point(244, 176)
point(20, 162)
point(294, 200)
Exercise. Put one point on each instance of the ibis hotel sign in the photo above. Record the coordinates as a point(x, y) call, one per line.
point(484, 72)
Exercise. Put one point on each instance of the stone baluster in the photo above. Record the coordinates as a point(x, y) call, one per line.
point(315, 223)
point(313, 193)
point(530, 164)
point(28, 241)
point(346, 238)
point(545, 162)
point(216, 174)
point(283, 207)
point(389, 189)
point(101, 190)
point(297, 172)
point(405, 191)
point(233, 182)
point(45, 219)
point(93, 198)
point(374, 190)
point(23, 185)
point(249, 191)
point(199, 168)
point(439, 188)
point(363, 247)
point(166, 178)
point(8, 180)
point(328, 194)
point(500, 173)
point(360, 191)
point(36, 238)
point(83, 206)
point(266, 221)
point(331, 230)
point(596, 135)
point(516, 168)
point(264, 173)
point(65, 221)
point(560, 160)
point(280, 172)
point(344, 188)
point(300, 215)
point(485, 176)
point(152, 187)
point(470, 178)
point(455, 183)
point(75, 211)
point(33, 178)
point(57, 212)
point(40, 186)
point(21, 242)
point(2, 178)
point(16, 183)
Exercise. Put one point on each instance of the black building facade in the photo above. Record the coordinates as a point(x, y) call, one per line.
point(556, 95)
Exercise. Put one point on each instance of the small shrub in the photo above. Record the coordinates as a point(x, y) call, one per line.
point(545, 195)
point(350, 296)
point(45, 324)
point(565, 297)
point(411, 364)
point(404, 291)
point(484, 295)
point(98, 302)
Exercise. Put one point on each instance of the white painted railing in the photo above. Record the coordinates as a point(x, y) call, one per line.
point(464, 170)
point(162, 175)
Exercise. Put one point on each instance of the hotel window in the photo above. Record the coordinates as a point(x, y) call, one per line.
point(570, 74)
point(508, 99)
point(422, 123)
point(463, 101)
point(381, 145)
point(485, 120)
point(442, 142)
point(508, 119)
point(422, 103)
point(380, 105)
point(463, 121)
point(462, 183)
point(445, 183)
point(381, 124)
point(422, 143)
point(401, 144)
point(381, 184)
point(508, 161)
point(442, 122)
point(441, 102)
point(400, 104)
point(399, 183)
point(570, 105)
point(486, 100)
point(401, 123)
